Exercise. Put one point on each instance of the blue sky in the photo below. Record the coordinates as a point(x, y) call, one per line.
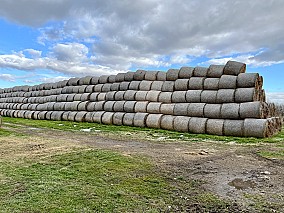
point(52, 40)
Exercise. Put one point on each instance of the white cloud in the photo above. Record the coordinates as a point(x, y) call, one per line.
point(7, 77)
point(275, 97)
point(71, 52)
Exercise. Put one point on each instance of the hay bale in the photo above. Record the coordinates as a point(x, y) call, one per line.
point(157, 85)
point(197, 125)
point(234, 68)
point(134, 85)
point(181, 123)
point(141, 95)
point(130, 95)
point(107, 118)
point(115, 87)
point(128, 119)
point(103, 79)
point(48, 115)
point(181, 84)
point(85, 80)
point(118, 118)
point(196, 83)
point(161, 76)
point(234, 128)
point(111, 79)
point(228, 82)
point(151, 75)
point(245, 80)
point(50, 106)
point(141, 106)
point(172, 74)
point(59, 106)
point(75, 89)
point(119, 77)
point(91, 106)
point(139, 75)
point(83, 106)
point(196, 109)
point(140, 119)
point(225, 96)
point(168, 86)
point(28, 114)
point(101, 96)
point(74, 105)
point(73, 82)
point(56, 116)
point(67, 106)
point(193, 96)
point(246, 95)
point(97, 117)
point(215, 71)
point(256, 128)
point(118, 106)
point(145, 85)
point(167, 122)
point(99, 106)
point(154, 121)
point(77, 97)
point(108, 106)
point(89, 117)
point(129, 106)
point(94, 96)
point(165, 97)
point(98, 88)
point(252, 110)
point(71, 116)
point(215, 126)
point(41, 115)
point(186, 72)
point(129, 76)
point(85, 97)
point(153, 107)
point(110, 96)
point(153, 95)
point(124, 86)
point(64, 116)
point(106, 87)
point(211, 83)
point(230, 111)
point(89, 88)
point(212, 110)
point(209, 96)
point(119, 96)
point(181, 109)
point(94, 80)
point(200, 71)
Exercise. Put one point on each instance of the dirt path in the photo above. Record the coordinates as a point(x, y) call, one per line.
point(229, 170)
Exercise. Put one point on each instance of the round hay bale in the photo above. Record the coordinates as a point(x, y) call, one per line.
point(167, 122)
point(252, 110)
point(228, 82)
point(98, 88)
point(134, 85)
point(130, 95)
point(75, 89)
point(68, 106)
point(154, 120)
point(71, 116)
point(103, 79)
point(119, 77)
point(193, 96)
point(62, 98)
point(106, 87)
point(118, 106)
point(141, 106)
point(245, 95)
point(167, 109)
point(186, 72)
point(153, 107)
point(179, 97)
point(97, 116)
point(234, 68)
point(77, 97)
point(212, 110)
point(172, 74)
point(168, 86)
point(211, 83)
point(89, 117)
point(73, 82)
point(119, 96)
point(101, 96)
point(129, 106)
point(245, 80)
point(197, 125)
point(82, 88)
point(181, 84)
point(62, 83)
point(157, 85)
point(139, 75)
point(50, 106)
point(129, 76)
point(94, 80)
point(215, 126)
point(234, 128)
point(141, 95)
point(83, 106)
point(124, 86)
point(145, 85)
point(153, 95)
point(200, 71)
point(140, 119)
point(69, 89)
point(196, 83)
point(56, 116)
point(91, 106)
point(59, 106)
point(85, 80)
point(108, 106)
point(225, 96)
point(41, 115)
point(94, 96)
point(256, 128)
point(89, 88)
point(128, 119)
point(181, 109)
point(99, 106)
point(110, 96)
point(215, 71)
point(161, 76)
point(196, 109)
point(230, 111)
point(48, 115)
point(65, 116)
point(165, 97)
point(115, 87)
point(118, 118)
point(151, 75)
point(107, 118)
point(209, 96)
point(181, 123)
point(74, 105)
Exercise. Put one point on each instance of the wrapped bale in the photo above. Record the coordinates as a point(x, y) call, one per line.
point(153, 107)
point(97, 117)
point(101, 96)
point(49, 106)
point(109, 105)
point(181, 84)
point(74, 105)
point(253, 110)
point(70, 97)
point(110, 96)
point(141, 95)
point(196, 109)
point(200, 71)
point(75, 89)
point(130, 95)
point(161, 76)
point(215, 126)
point(59, 106)
point(186, 72)
point(41, 115)
point(140, 119)
point(128, 119)
point(103, 79)
point(181, 109)
point(196, 83)
point(157, 85)
point(119, 96)
point(85, 80)
point(124, 86)
point(167, 122)
point(234, 128)
point(56, 115)
point(91, 106)
point(118, 118)
point(107, 118)
point(145, 85)
point(165, 97)
point(168, 86)
point(154, 120)
point(228, 82)
point(246, 95)
point(246, 80)
point(172, 74)
point(114, 87)
point(48, 115)
point(141, 106)
point(89, 117)
point(211, 83)
point(197, 125)
point(209, 96)
point(225, 96)
point(118, 106)
point(179, 97)
point(119, 77)
point(99, 106)
point(153, 95)
point(230, 111)
point(64, 116)
point(134, 85)
point(83, 106)
point(234, 68)
point(215, 71)
point(129, 106)
point(73, 82)
point(106, 87)
point(71, 116)
point(129, 76)
point(94, 96)
point(181, 123)
point(151, 75)
point(111, 79)
point(212, 110)
point(193, 96)
point(256, 128)
point(139, 75)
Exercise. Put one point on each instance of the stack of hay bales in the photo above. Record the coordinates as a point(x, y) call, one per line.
point(219, 100)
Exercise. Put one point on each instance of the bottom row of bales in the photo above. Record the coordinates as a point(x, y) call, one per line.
point(248, 127)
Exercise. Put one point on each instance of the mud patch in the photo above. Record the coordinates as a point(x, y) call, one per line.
point(241, 184)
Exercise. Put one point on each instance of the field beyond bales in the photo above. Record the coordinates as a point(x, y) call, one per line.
point(56, 166)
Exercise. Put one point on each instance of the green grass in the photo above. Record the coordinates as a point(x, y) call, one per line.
point(279, 154)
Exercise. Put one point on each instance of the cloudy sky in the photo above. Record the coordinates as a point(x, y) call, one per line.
point(51, 40)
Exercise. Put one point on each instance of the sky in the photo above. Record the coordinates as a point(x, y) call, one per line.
point(52, 40)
